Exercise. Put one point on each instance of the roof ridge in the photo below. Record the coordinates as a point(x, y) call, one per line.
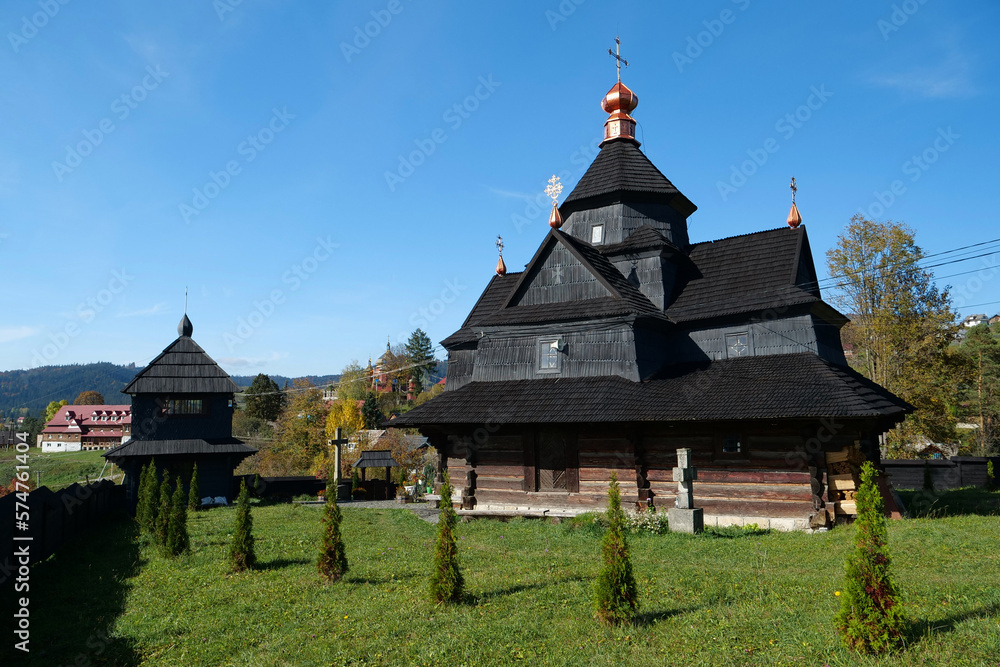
point(760, 232)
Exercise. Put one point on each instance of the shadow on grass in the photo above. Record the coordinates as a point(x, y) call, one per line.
point(474, 599)
point(733, 532)
point(380, 580)
point(919, 630)
point(75, 598)
point(954, 502)
point(280, 563)
point(654, 617)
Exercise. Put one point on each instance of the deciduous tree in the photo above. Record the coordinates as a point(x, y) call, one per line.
point(53, 408)
point(981, 350)
point(902, 324)
point(89, 397)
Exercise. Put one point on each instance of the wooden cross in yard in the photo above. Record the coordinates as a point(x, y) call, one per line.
point(337, 442)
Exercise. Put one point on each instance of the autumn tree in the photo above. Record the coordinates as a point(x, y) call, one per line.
point(902, 324)
point(420, 357)
point(301, 432)
point(53, 408)
point(981, 352)
point(354, 383)
point(264, 399)
point(89, 397)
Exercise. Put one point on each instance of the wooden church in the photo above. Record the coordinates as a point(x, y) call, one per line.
point(182, 414)
point(622, 341)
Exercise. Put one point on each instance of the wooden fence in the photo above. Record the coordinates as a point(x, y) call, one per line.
point(953, 473)
point(53, 520)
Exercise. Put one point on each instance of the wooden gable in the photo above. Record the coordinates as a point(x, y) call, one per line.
point(557, 274)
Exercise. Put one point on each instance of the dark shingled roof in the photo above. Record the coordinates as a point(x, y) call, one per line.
point(376, 458)
point(622, 167)
point(742, 274)
point(133, 447)
point(765, 387)
point(644, 238)
point(182, 368)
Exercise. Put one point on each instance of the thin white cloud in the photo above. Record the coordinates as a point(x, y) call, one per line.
point(144, 312)
point(950, 79)
point(8, 334)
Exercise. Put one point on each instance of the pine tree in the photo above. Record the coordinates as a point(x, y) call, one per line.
point(150, 500)
point(616, 594)
point(870, 620)
point(332, 556)
point(178, 541)
point(194, 500)
point(241, 554)
point(143, 489)
point(163, 510)
point(446, 581)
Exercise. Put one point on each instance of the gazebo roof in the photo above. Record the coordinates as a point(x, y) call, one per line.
point(376, 458)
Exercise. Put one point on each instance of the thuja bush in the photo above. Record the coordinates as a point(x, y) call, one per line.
point(149, 500)
point(616, 595)
point(446, 580)
point(140, 507)
point(163, 510)
point(332, 555)
point(870, 619)
point(194, 501)
point(991, 480)
point(178, 541)
point(241, 553)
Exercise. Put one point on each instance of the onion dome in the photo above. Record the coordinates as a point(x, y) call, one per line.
point(185, 328)
point(555, 218)
point(501, 267)
point(619, 103)
point(794, 218)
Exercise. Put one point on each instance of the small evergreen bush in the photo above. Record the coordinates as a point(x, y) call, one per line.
point(446, 581)
point(194, 493)
point(870, 620)
point(241, 553)
point(332, 555)
point(149, 501)
point(616, 594)
point(178, 541)
point(140, 507)
point(163, 510)
point(991, 480)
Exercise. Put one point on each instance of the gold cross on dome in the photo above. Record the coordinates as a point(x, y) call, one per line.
point(616, 54)
point(794, 189)
point(554, 188)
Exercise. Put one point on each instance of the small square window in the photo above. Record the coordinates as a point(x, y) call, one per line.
point(731, 444)
point(597, 234)
point(737, 345)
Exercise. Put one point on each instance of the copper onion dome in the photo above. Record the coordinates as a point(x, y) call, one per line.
point(619, 103)
point(794, 217)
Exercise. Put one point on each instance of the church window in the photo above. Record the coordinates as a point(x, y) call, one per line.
point(731, 444)
point(597, 234)
point(737, 345)
point(549, 359)
point(185, 406)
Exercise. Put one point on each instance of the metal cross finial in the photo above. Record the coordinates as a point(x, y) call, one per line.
point(554, 188)
point(499, 244)
point(794, 189)
point(185, 299)
point(616, 54)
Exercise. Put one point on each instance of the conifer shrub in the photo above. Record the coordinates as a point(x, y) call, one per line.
point(446, 580)
point(616, 596)
point(140, 507)
point(991, 480)
point(150, 500)
point(163, 510)
point(870, 620)
point(241, 553)
point(178, 541)
point(194, 493)
point(332, 555)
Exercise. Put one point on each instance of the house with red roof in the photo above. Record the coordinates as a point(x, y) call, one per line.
point(86, 427)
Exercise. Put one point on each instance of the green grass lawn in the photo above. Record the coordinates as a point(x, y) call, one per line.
point(727, 598)
point(58, 469)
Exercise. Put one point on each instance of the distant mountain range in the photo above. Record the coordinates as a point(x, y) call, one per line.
point(35, 388)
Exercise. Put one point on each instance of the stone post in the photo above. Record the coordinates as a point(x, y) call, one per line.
point(684, 517)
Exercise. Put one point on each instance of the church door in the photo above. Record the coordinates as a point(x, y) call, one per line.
point(552, 460)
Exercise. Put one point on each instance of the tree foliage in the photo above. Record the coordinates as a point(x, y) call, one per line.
point(981, 391)
point(242, 555)
point(264, 399)
point(53, 408)
point(902, 324)
point(446, 580)
point(301, 433)
point(163, 510)
point(870, 620)
point(616, 595)
point(353, 384)
point(371, 415)
point(89, 397)
point(420, 355)
point(149, 499)
point(194, 492)
point(332, 555)
point(178, 541)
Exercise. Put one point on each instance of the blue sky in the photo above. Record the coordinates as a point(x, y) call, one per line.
point(324, 175)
